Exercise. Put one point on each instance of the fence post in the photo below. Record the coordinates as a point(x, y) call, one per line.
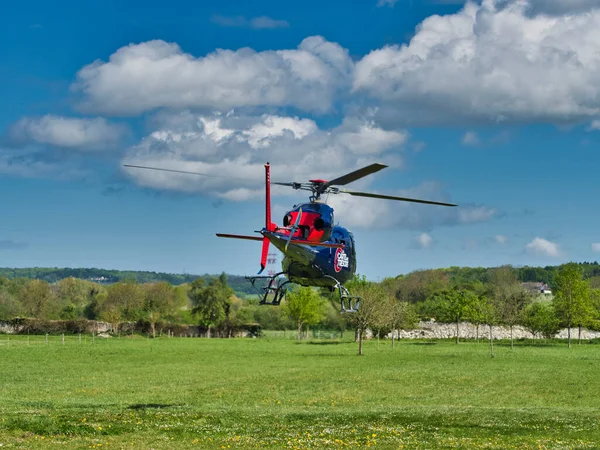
point(80, 338)
point(63, 339)
point(46, 338)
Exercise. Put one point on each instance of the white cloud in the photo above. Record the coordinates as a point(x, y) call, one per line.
point(66, 132)
point(542, 246)
point(560, 7)
point(596, 247)
point(492, 62)
point(470, 138)
point(257, 23)
point(501, 239)
point(476, 214)
point(239, 145)
point(263, 22)
point(155, 74)
point(424, 240)
point(379, 214)
point(389, 3)
point(535, 7)
point(594, 125)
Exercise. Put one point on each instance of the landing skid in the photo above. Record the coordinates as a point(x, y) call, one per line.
point(348, 303)
point(276, 287)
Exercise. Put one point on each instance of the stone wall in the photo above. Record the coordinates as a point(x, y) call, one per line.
point(434, 330)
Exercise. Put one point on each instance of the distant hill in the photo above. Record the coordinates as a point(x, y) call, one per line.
point(107, 276)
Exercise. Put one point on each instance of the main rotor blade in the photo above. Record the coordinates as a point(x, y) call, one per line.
point(356, 175)
point(202, 174)
point(392, 197)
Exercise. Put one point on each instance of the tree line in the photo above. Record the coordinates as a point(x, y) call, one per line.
point(484, 297)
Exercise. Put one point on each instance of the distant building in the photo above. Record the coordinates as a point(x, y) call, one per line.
point(535, 287)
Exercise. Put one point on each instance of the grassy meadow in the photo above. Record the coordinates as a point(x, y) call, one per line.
point(278, 393)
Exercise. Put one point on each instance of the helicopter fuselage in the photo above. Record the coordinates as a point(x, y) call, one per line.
point(317, 265)
point(314, 265)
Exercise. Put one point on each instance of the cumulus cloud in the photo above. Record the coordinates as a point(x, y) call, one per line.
point(594, 125)
point(379, 214)
point(66, 132)
point(493, 62)
point(238, 145)
point(155, 74)
point(560, 7)
point(542, 246)
point(424, 240)
point(501, 239)
point(256, 23)
point(470, 138)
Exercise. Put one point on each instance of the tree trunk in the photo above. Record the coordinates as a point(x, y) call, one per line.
point(569, 324)
point(511, 337)
point(208, 332)
point(299, 330)
point(579, 339)
point(153, 330)
point(457, 331)
point(491, 342)
point(360, 339)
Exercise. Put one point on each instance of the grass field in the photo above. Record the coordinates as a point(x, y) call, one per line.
point(278, 393)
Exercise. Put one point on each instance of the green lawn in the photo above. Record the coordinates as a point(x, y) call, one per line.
point(277, 393)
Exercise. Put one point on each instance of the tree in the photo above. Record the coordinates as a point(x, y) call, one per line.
point(211, 302)
point(399, 316)
point(73, 296)
point(373, 298)
point(123, 301)
point(509, 297)
point(419, 285)
point(9, 306)
point(478, 314)
point(454, 306)
point(572, 298)
point(304, 306)
point(159, 300)
point(37, 299)
point(540, 318)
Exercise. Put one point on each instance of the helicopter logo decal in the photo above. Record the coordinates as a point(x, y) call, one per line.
point(341, 260)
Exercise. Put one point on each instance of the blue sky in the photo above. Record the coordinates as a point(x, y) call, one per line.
point(494, 106)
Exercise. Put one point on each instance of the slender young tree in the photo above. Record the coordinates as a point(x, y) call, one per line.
point(373, 299)
point(399, 315)
point(305, 307)
point(572, 298)
point(455, 306)
point(211, 302)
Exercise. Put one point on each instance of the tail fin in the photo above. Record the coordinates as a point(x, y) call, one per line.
point(270, 226)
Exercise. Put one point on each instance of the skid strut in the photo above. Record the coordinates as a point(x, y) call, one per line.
point(275, 286)
point(348, 303)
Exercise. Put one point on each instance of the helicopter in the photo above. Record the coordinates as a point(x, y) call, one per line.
point(317, 252)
